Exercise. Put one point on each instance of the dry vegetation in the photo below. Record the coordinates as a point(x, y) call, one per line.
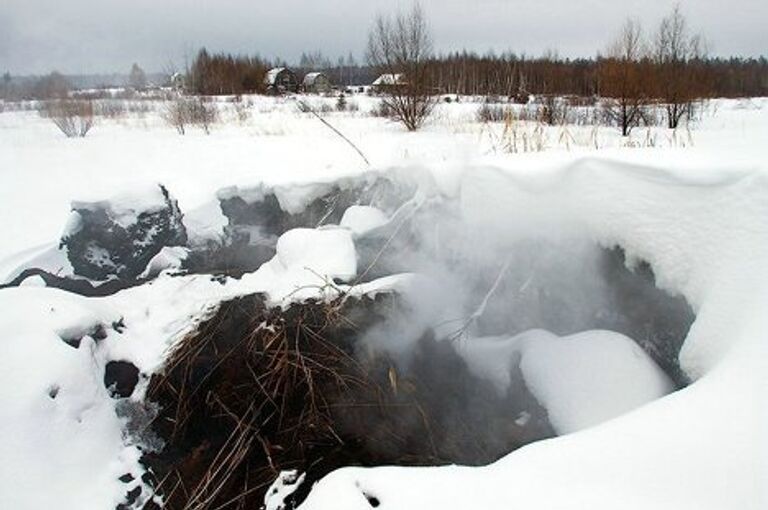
point(255, 391)
point(400, 48)
point(73, 117)
point(185, 111)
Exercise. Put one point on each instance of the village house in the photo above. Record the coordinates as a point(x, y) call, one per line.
point(316, 83)
point(281, 80)
point(387, 82)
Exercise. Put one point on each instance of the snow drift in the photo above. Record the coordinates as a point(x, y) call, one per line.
point(704, 235)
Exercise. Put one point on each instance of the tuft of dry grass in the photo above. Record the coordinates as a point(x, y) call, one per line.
point(258, 390)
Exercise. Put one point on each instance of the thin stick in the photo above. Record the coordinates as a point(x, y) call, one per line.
point(481, 308)
point(308, 108)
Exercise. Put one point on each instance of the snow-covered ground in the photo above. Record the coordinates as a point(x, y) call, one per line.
point(694, 206)
point(41, 171)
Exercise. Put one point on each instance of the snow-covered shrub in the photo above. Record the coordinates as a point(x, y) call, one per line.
point(183, 111)
point(202, 113)
point(341, 103)
point(553, 110)
point(74, 118)
point(492, 113)
point(110, 109)
point(242, 109)
point(175, 114)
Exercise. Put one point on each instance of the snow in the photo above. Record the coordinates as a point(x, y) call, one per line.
point(33, 281)
point(703, 447)
point(284, 485)
point(54, 405)
point(272, 75)
point(328, 252)
point(48, 257)
point(44, 172)
point(310, 78)
point(697, 214)
point(307, 263)
point(581, 380)
point(590, 377)
point(169, 258)
point(363, 218)
point(205, 223)
point(388, 79)
point(123, 208)
point(78, 433)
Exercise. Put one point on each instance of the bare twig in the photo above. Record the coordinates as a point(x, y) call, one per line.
point(308, 108)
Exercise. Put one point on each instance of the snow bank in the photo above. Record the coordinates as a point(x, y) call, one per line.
point(700, 221)
point(588, 378)
point(169, 258)
point(61, 442)
point(124, 208)
point(581, 380)
point(48, 257)
point(54, 347)
point(306, 264)
point(705, 447)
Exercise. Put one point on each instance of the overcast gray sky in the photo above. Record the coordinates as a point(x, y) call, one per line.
point(90, 36)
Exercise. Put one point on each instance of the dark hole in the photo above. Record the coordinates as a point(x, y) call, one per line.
point(120, 378)
point(372, 500)
point(132, 495)
point(99, 332)
point(119, 325)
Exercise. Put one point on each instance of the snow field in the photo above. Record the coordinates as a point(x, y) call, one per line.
point(697, 215)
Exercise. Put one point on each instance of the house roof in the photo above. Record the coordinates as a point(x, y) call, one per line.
point(272, 75)
point(309, 78)
point(390, 79)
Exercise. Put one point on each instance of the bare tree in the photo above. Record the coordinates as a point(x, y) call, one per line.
point(202, 113)
point(675, 51)
point(73, 117)
point(52, 86)
point(624, 78)
point(175, 113)
point(137, 78)
point(6, 93)
point(399, 48)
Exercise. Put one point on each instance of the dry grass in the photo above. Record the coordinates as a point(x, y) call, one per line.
point(256, 391)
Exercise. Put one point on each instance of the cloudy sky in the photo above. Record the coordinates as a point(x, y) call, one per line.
point(90, 36)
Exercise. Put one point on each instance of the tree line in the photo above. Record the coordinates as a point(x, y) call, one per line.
point(468, 73)
point(460, 73)
point(669, 63)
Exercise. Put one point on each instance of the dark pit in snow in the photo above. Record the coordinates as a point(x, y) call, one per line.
point(121, 378)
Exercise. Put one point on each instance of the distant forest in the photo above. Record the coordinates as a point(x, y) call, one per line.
point(479, 75)
point(462, 73)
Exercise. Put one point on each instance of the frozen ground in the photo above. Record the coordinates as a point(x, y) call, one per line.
point(698, 214)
